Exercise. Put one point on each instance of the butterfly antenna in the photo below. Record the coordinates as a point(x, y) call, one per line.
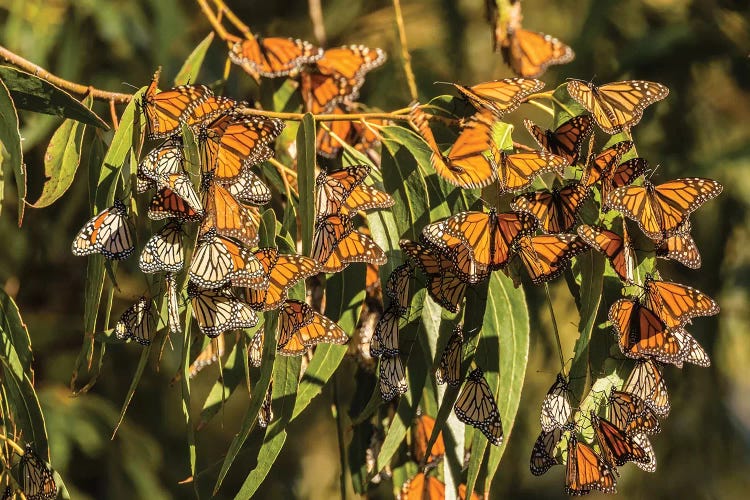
point(128, 84)
point(653, 171)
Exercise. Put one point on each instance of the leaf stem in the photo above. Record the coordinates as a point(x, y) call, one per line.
point(231, 16)
point(316, 17)
point(339, 434)
point(554, 327)
point(405, 56)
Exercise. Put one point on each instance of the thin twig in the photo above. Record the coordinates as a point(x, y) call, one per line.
point(13, 444)
point(554, 326)
point(523, 147)
point(405, 56)
point(316, 17)
point(215, 22)
point(73, 87)
point(236, 21)
point(396, 115)
point(113, 113)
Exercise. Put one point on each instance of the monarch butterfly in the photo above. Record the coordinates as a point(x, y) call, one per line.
point(472, 159)
point(517, 171)
point(208, 109)
point(646, 382)
point(170, 203)
point(332, 189)
point(365, 198)
point(566, 140)
point(255, 349)
point(107, 233)
point(137, 323)
point(282, 272)
point(421, 431)
point(690, 350)
point(631, 414)
point(230, 217)
point(641, 333)
point(616, 248)
point(543, 453)
point(476, 406)
point(445, 284)
point(479, 242)
point(354, 133)
point(586, 470)
point(602, 167)
point(556, 210)
point(617, 447)
point(274, 56)
point(173, 307)
point(547, 256)
point(680, 247)
point(336, 245)
point(529, 53)
point(249, 188)
point(337, 76)
point(397, 287)
point(677, 304)
point(300, 328)
point(210, 354)
point(384, 341)
point(449, 370)
point(642, 440)
point(265, 415)
point(162, 161)
point(182, 186)
point(500, 96)
point(423, 487)
point(218, 311)
point(661, 210)
point(37, 478)
point(219, 260)
point(556, 407)
point(163, 252)
point(392, 377)
point(234, 142)
point(617, 106)
point(166, 110)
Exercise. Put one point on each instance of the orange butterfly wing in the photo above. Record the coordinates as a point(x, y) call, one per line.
point(274, 56)
point(230, 217)
point(566, 140)
point(518, 171)
point(420, 436)
point(677, 304)
point(500, 96)
point(640, 333)
point(529, 53)
point(546, 257)
point(556, 210)
point(445, 285)
point(166, 110)
point(586, 470)
point(616, 248)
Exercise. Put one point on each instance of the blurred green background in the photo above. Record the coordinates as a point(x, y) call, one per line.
point(698, 49)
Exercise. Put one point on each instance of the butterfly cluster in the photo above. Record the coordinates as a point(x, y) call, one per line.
point(225, 204)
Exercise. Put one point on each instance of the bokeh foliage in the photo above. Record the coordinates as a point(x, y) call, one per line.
point(698, 49)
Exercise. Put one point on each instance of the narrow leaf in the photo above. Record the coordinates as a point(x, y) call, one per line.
point(192, 65)
point(306, 179)
point(61, 160)
point(35, 94)
point(10, 142)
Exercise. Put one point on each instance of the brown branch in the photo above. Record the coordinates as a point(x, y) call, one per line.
point(405, 56)
point(113, 113)
point(400, 114)
point(216, 22)
point(232, 17)
point(75, 88)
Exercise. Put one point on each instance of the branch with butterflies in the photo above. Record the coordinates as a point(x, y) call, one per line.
point(299, 245)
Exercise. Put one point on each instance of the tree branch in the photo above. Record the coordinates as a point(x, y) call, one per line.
point(75, 88)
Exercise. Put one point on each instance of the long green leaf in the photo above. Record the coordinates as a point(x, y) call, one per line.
point(15, 333)
point(10, 142)
point(591, 268)
point(35, 94)
point(344, 296)
point(306, 179)
point(133, 386)
point(24, 404)
point(192, 65)
point(61, 160)
point(286, 379)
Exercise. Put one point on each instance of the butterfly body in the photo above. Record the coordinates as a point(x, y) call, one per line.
point(566, 140)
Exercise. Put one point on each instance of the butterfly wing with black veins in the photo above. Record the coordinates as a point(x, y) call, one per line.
point(556, 407)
